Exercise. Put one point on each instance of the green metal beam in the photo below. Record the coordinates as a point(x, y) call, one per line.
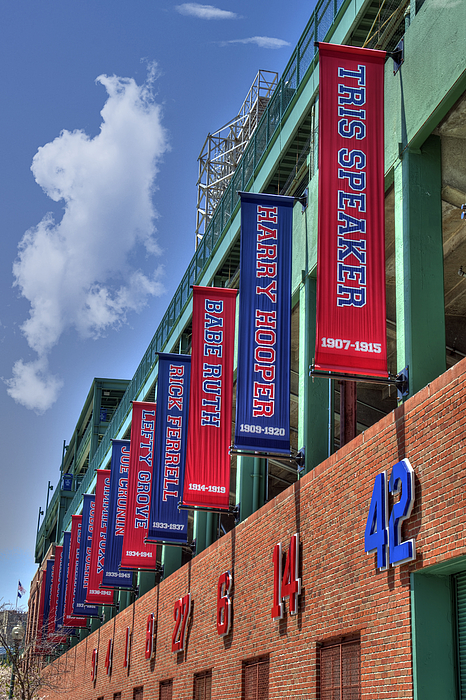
point(420, 313)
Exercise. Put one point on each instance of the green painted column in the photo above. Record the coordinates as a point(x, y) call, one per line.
point(211, 528)
point(124, 598)
point(107, 611)
point(433, 637)
point(95, 621)
point(251, 484)
point(315, 419)
point(146, 581)
point(420, 306)
point(97, 400)
point(200, 534)
point(205, 529)
point(171, 560)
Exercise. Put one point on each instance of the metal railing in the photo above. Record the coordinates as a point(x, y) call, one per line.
point(296, 73)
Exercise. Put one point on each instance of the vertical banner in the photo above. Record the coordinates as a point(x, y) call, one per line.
point(85, 528)
point(167, 523)
point(40, 621)
point(70, 619)
point(46, 608)
point(95, 592)
point(62, 585)
point(113, 576)
point(207, 476)
point(52, 636)
point(53, 593)
point(351, 314)
point(67, 591)
point(136, 553)
point(264, 332)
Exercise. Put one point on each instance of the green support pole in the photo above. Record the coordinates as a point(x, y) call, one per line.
point(211, 528)
point(205, 529)
point(83, 633)
point(95, 622)
point(200, 520)
point(146, 581)
point(97, 400)
point(420, 306)
point(251, 484)
point(124, 599)
point(171, 559)
point(314, 422)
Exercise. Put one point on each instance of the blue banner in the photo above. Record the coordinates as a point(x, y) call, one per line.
point(62, 587)
point(80, 606)
point(264, 332)
point(113, 577)
point(48, 590)
point(166, 522)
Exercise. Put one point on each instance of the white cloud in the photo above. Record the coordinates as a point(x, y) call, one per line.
point(263, 42)
point(76, 272)
point(194, 9)
point(33, 386)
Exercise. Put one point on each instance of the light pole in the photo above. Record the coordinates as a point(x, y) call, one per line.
point(17, 633)
point(50, 488)
point(41, 512)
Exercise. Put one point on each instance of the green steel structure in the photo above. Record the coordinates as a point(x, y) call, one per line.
point(425, 179)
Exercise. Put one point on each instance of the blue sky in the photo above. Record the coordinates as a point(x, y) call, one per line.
point(106, 105)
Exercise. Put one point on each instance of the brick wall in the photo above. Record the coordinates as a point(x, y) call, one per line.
point(342, 591)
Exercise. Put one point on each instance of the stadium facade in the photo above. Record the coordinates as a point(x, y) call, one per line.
point(351, 625)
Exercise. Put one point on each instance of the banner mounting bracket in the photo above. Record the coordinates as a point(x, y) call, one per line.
point(298, 458)
point(400, 380)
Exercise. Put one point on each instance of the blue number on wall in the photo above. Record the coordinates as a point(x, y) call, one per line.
point(381, 535)
point(376, 533)
point(402, 476)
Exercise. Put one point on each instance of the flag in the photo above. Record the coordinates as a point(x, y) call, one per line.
point(167, 523)
point(96, 593)
point(351, 326)
point(84, 541)
point(21, 590)
point(207, 475)
point(264, 334)
point(137, 553)
point(119, 468)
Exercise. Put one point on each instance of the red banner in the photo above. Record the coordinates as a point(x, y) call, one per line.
point(351, 316)
point(137, 554)
point(96, 594)
point(69, 619)
point(207, 475)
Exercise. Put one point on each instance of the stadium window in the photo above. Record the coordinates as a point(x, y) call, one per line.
point(203, 685)
point(339, 670)
point(256, 679)
point(138, 693)
point(166, 690)
point(116, 696)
